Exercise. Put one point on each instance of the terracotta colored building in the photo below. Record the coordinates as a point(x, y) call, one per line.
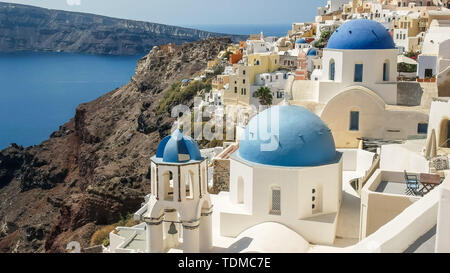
point(235, 57)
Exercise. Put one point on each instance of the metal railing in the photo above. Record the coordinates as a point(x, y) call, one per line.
point(445, 142)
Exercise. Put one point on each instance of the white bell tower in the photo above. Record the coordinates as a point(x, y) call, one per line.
point(179, 209)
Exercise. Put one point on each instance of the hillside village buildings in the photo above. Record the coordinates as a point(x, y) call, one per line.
point(349, 157)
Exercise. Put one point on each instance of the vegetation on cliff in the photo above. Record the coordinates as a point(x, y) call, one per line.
point(95, 167)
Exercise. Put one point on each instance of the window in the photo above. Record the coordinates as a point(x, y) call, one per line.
point(422, 128)
point(358, 72)
point(243, 81)
point(235, 89)
point(276, 201)
point(189, 186)
point(428, 73)
point(385, 72)
point(243, 72)
point(153, 182)
point(316, 200)
point(332, 70)
point(168, 186)
point(354, 121)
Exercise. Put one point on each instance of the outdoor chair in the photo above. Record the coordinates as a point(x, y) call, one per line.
point(412, 184)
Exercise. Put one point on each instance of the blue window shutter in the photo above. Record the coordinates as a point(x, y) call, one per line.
point(354, 121)
point(358, 72)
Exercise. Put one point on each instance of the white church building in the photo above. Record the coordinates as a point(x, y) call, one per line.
point(286, 170)
point(357, 93)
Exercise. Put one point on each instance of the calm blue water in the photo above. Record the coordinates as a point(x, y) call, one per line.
point(269, 30)
point(40, 91)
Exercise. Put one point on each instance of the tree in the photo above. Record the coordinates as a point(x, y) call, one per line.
point(323, 40)
point(218, 69)
point(406, 68)
point(226, 56)
point(265, 95)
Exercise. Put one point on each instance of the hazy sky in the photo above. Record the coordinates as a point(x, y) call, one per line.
point(192, 12)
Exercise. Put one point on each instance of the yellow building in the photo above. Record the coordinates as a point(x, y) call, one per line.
point(240, 82)
point(220, 81)
point(409, 23)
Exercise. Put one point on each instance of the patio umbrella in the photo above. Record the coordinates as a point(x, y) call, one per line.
point(433, 152)
point(431, 148)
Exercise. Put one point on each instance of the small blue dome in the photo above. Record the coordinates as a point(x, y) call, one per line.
point(312, 52)
point(361, 34)
point(178, 148)
point(301, 41)
point(303, 139)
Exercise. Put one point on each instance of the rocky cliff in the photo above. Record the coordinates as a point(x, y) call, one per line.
point(28, 28)
point(94, 169)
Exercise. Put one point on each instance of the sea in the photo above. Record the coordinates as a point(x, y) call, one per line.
point(277, 30)
point(40, 91)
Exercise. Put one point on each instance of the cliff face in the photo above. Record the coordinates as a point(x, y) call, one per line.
point(94, 169)
point(27, 28)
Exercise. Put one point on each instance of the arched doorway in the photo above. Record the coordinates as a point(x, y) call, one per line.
point(444, 133)
point(172, 228)
point(168, 185)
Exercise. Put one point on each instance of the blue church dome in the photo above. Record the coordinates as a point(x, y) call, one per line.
point(178, 148)
point(301, 41)
point(312, 52)
point(361, 34)
point(303, 139)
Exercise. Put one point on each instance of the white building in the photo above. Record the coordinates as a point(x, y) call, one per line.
point(435, 58)
point(328, 25)
point(275, 81)
point(262, 45)
point(332, 6)
point(302, 44)
point(360, 52)
point(177, 213)
point(358, 82)
point(291, 175)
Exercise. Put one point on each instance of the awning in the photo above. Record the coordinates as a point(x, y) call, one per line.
point(404, 59)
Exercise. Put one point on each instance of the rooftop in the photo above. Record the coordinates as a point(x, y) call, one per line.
point(361, 34)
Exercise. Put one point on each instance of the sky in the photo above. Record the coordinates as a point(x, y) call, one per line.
point(192, 12)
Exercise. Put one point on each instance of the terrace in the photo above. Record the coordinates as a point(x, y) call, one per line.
point(387, 194)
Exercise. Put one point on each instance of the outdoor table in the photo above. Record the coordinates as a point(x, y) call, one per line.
point(429, 181)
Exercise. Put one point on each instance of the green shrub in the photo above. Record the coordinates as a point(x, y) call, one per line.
point(181, 95)
point(101, 236)
point(406, 68)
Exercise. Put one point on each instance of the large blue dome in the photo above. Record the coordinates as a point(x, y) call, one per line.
point(361, 34)
point(303, 139)
point(178, 148)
